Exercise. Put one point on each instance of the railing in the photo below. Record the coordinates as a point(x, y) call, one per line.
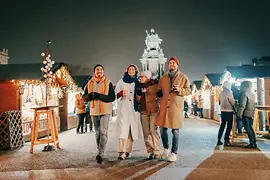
point(11, 135)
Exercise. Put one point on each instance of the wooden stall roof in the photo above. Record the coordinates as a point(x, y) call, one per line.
point(198, 84)
point(214, 78)
point(24, 71)
point(81, 81)
point(249, 71)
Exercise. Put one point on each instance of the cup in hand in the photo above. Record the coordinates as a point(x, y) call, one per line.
point(174, 87)
point(125, 93)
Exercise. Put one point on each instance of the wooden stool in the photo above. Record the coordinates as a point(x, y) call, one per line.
point(52, 127)
point(256, 122)
point(233, 128)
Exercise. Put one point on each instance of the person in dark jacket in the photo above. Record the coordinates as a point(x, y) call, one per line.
point(195, 107)
point(239, 123)
point(88, 119)
point(246, 111)
point(186, 108)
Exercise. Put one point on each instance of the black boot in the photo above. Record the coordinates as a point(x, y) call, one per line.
point(252, 146)
point(227, 143)
point(99, 159)
point(151, 157)
point(219, 143)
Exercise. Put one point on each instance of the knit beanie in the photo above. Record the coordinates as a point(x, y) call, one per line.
point(98, 65)
point(174, 59)
point(147, 74)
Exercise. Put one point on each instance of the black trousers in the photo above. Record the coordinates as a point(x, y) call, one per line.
point(239, 125)
point(80, 122)
point(88, 120)
point(201, 112)
point(226, 119)
point(248, 122)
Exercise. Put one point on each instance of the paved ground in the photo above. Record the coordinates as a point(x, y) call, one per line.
point(198, 158)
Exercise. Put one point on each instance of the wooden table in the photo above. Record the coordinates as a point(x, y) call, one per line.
point(256, 120)
point(49, 110)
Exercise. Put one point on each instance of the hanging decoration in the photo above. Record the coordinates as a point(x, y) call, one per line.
point(47, 67)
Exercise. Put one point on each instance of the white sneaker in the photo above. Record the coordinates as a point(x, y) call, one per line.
point(172, 157)
point(122, 156)
point(165, 154)
point(128, 155)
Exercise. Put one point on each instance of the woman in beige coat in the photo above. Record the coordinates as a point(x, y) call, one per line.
point(172, 88)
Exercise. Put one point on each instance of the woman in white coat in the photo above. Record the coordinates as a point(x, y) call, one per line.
point(128, 125)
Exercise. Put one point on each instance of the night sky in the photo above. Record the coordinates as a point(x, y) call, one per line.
point(205, 35)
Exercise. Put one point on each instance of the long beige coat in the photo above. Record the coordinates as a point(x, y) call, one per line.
point(170, 114)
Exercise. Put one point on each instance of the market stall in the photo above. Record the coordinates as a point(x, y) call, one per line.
point(210, 90)
point(24, 89)
point(195, 92)
point(260, 78)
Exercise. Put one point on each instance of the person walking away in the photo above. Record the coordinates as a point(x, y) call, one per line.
point(218, 112)
point(146, 97)
point(239, 123)
point(80, 112)
point(128, 126)
point(186, 108)
point(88, 119)
point(172, 88)
point(246, 111)
point(100, 95)
point(195, 107)
point(227, 103)
point(200, 106)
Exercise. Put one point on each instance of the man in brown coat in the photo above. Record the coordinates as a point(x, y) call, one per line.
point(172, 88)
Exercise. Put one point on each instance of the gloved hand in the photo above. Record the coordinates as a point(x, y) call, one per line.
point(159, 94)
point(139, 92)
point(96, 96)
point(88, 97)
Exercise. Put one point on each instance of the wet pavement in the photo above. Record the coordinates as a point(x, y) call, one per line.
point(198, 158)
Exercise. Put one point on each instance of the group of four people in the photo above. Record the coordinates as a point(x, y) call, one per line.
point(144, 104)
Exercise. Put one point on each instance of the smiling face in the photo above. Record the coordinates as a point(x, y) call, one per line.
point(172, 66)
point(99, 72)
point(131, 71)
point(143, 79)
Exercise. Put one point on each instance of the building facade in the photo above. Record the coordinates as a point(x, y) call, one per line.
point(4, 56)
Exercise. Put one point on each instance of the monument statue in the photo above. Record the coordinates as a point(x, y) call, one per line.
point(153, 57)
point(152, 40)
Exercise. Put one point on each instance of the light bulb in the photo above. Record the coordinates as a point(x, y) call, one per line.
point(42, 54)
point(49, 55)
point(45, 75)
point(44, 62)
